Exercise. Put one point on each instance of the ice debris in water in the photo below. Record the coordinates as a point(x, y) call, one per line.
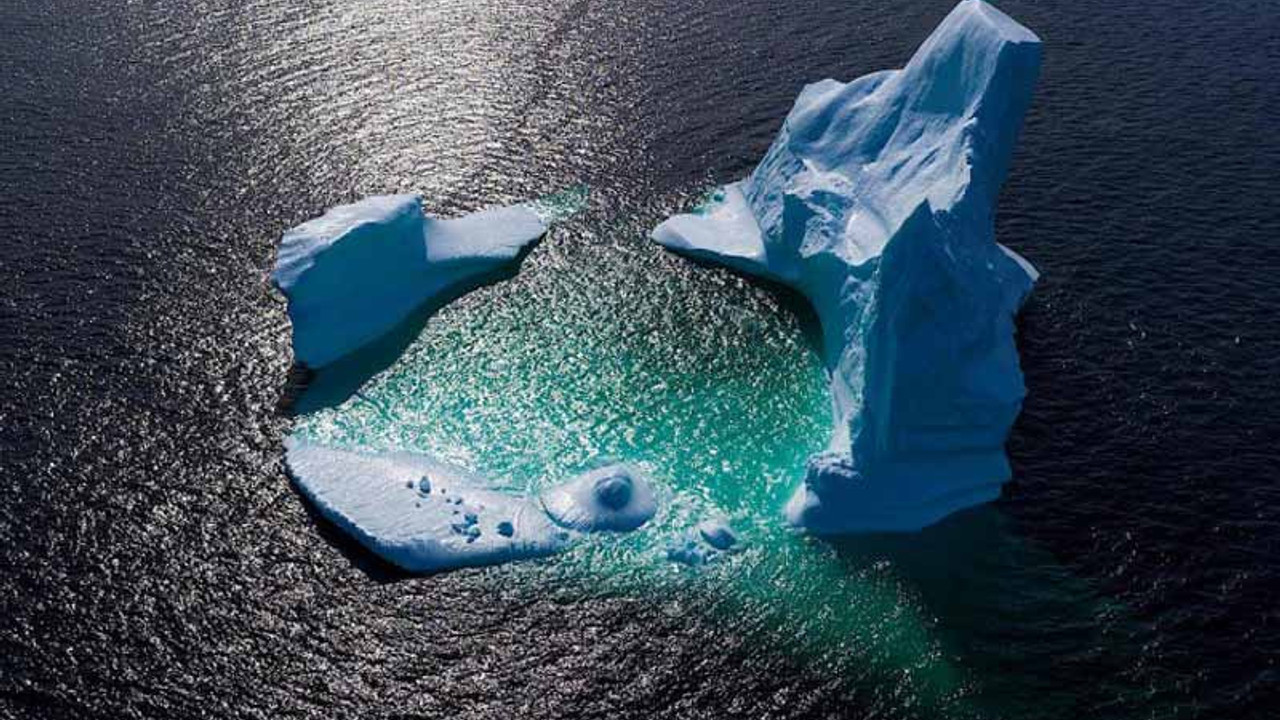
point(706, 543)
point(614, 497)
point(877, 202)
point(717, 534)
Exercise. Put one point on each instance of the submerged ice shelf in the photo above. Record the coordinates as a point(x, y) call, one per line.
point(877, 203)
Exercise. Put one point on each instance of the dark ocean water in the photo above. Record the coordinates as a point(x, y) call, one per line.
point(155, 561)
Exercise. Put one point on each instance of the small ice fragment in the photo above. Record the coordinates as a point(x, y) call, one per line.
point(687, 553)
point(704, 544)
point(717, 534)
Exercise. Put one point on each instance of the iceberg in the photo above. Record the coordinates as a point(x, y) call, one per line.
point(876, 202)
point(353, 274)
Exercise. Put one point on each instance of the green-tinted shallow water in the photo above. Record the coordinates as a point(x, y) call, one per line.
point(605, 347)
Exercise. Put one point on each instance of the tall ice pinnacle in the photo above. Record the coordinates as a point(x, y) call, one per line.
point(877, 202)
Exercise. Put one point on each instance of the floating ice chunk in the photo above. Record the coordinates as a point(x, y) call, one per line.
point(717, 533)
point(688, 551)
point(376, 498)
point(608, 498)
point(876, 201)
point(360, 269)
point(706, 543)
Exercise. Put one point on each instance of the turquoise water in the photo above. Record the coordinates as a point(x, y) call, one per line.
point(606, 348)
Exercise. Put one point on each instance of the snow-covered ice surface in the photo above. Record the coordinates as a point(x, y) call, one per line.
point(876, 201)
point(354, 273)
point(419, 513)
point(426, 515)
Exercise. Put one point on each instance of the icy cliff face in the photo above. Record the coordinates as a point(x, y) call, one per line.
point(354, 273)
point(877, 202)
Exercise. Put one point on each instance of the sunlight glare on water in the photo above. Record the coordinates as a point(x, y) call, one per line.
point(604, 348)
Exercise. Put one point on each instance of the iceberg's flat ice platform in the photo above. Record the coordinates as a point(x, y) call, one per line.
point(418, 513)
point(426, 515)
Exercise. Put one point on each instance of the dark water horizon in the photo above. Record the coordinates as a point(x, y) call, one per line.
point(155, 561)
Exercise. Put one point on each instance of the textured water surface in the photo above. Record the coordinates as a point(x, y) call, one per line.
point(155, 562)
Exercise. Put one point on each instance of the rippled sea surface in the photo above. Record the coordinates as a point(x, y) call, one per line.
point(156, 562)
